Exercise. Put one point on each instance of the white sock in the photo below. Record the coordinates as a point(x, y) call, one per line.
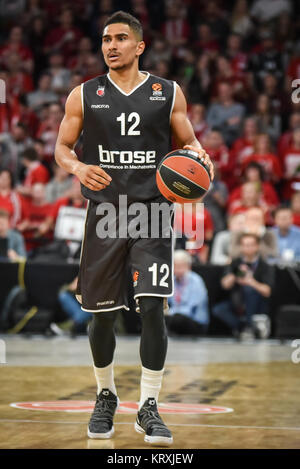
point(105, 378)
point(150, 384)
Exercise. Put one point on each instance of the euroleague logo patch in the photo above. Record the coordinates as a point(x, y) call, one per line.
point(135, 278)
point(157, 87)
point(157, 92)
point(125, 407)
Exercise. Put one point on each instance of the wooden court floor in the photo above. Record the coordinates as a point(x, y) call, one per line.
point(264, 398)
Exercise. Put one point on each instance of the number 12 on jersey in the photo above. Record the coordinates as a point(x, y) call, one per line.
point(133, 117)
point(164, 269)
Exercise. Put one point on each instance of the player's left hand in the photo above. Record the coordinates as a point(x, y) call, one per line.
point(204, 158)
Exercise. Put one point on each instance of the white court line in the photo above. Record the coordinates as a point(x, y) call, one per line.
point(169, 424)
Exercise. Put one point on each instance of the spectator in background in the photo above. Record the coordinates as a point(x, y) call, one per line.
point(263, 155)
point(213, 143)
point(279, 101)
point(48, 130)
point(216, 200)
point(192, 238)
point(221, 244)
point(19, 82)
point(295, 206)
point(188, 307)
point(267, 121)
point(206, 41)
point(65, 37)
point(70, 305)
point(251, 196)
point(76, 79)
point(39, 147)
point(238, 58)
point(20, 112)
point(59, 184)
point(187, 66)
point(158, 50)
point(286, 139)
point(287, 234)
point(291, 165)
point(266, 59)
point(254, 172)
point(15, 45)
point(197, 118)
point(243, 147)
point(37, 30)
point(225, 74)
point(198, 86)
point(60, 75)
point(226, 114)
point(43, 95)
point(215, 17)
point(94, 67)
point(162, 69)
point(10, 200)
point(254, 223)
point(79, 61)
point(293, 68)
point(35, 172)
point(249, 281)
point(176, 28)
point(32, 226)
point(240, 19)
point(12, 145)
point(71, 198)
point(11, 242)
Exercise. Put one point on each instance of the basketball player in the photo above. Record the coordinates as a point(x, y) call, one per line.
point(127, 117)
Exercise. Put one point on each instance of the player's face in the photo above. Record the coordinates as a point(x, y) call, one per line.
point(120, 46)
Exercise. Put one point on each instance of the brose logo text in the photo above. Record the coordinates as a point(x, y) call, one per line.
point(126, 157)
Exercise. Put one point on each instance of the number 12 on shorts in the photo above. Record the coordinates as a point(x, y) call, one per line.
point(164, 270)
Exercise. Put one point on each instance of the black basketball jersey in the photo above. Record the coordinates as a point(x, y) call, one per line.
point(126, 134)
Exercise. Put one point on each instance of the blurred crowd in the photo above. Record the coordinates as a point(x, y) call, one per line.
point(237, 63)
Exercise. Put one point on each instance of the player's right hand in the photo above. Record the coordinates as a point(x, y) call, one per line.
point(93, 177)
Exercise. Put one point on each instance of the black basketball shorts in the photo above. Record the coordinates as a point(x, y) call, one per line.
point(105, 263)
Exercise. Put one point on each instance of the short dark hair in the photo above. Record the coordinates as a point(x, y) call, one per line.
point(248, 235)
point(260, 169)
point(126, 18)
point(30, 154)
point(11, 176)
point(281, 208)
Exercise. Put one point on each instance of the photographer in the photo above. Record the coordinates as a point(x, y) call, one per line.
point(248, 281)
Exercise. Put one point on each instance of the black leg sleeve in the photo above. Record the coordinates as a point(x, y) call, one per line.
point(102, 338)
point(154, 338)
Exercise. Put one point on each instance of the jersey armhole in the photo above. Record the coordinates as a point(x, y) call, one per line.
point(82, 102)
point(173, 99)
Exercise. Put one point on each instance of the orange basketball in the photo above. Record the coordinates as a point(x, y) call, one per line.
point(181, 177)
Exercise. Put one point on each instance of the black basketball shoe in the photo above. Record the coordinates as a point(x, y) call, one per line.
point(148, 421)
point(101, 421)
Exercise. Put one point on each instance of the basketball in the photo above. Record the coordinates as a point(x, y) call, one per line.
point(181, 177)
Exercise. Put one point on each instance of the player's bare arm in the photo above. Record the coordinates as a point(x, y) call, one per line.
point(91, 176)
point(183, 130)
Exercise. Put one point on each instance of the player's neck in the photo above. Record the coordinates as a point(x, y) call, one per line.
point(127, 79)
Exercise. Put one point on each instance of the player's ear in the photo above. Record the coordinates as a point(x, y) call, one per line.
point(140, 48)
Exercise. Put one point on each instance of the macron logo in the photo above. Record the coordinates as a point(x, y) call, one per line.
point(100, 106)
